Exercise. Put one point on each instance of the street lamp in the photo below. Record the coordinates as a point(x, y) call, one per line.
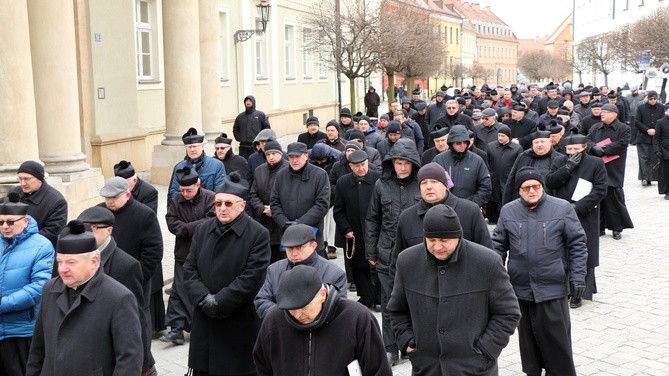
point(264, 9)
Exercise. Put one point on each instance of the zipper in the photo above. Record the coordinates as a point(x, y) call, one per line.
point(309, 356)
point(544, 234)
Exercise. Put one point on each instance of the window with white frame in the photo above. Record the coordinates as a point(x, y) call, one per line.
point(224, 43)
point(322, 68)
point(260, 48)
point(307, 61)
point(289, 51)
point(145, 26)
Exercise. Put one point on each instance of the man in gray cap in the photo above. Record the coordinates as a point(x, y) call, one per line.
point(486, 132)
point(46, 205)
point(141, 190)
point(136, 231)
point(299, 243)
point(210, 170)
point(223, 272)
point(301, 194)
point(27, 262)
point(354, 192)
point(613, 211)
point(311, 311)
point(192, 206)
point(88, 322)
point(455, 318)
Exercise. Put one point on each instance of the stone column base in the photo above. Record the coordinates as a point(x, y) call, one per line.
point(163, 160)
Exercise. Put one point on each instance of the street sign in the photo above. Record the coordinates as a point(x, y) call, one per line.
point(644, 59)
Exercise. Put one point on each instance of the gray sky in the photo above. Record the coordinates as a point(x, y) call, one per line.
point(530, 18)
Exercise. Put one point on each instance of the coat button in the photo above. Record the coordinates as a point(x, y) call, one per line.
point(442, 272)
point(441, 331)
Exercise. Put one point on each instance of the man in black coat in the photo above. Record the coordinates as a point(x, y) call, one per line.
point(261, 192)
point(434, 190)
point(501, 155)
point(45, 204)
point(453, 116)
point(354, 191)
point(247, 125)
point(647, 115)
point(223, 272)
point(486, 132)
point(313, 134)
point(551, 94)
point(581, 179)
point(231, 161)
point(136, 231)
point(88, 323)
point(141, 190)
point(190, 207)
point(115, 262)
point(440, 140)
point(521, 128)
point(613, 215)
point(452, 308)
point(301, 194)
point(661, 151)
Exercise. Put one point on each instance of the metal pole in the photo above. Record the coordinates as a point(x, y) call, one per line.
point(338, 52)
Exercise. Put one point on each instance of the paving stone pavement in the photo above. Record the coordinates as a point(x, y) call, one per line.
point(624, 331)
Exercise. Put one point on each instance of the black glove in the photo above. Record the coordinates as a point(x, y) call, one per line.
point(577, 289)
point(573, 161)
point(209, 306)
point(597, 151)
point(288, 224)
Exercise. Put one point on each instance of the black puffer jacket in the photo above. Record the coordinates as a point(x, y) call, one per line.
point(391, 195)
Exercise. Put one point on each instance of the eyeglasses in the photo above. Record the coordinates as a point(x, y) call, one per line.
point(193, 146)
point(451, 108)
point(98, 227)
point(11, 222)
point(460, 142)
point(228, 204)
point(222, 147)
point(534, 187)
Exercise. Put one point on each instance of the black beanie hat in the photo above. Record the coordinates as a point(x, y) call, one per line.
point(356, 134)
point(504, 129)
point(273, 145)
point(33, 168)
point(333, 123)
point(345, 112)
point(76, 239)
point(234, 184)
point(433, 170)
point(528, 173)
point(442, 222)
point(124, 169)
point(394, 127)
point(223, 139)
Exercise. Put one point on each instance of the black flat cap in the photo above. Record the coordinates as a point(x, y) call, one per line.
point(297, 148)
point(577, 139)
point(357, 156)
point(297, 234)
point(553, 104)
point(97, 215)
point(298, 287)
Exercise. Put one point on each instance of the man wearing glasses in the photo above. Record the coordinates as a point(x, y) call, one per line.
point(210, 170)
point(223, 272)
point(645, 119)
point(26, 264)
point(547, 254)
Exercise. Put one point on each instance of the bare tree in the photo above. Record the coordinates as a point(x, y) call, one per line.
point(574, 61)
point(596, 49)
point(351, 37)
point(459, 72)
point(407, 54)
point(478, 71)
point(535, 65)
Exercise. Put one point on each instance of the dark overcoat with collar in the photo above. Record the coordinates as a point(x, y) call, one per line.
point(99, 334)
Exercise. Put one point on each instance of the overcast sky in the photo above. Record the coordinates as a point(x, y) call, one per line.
point(530, 18)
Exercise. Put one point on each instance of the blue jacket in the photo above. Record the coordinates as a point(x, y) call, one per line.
point(211, 173)
point(26, 262)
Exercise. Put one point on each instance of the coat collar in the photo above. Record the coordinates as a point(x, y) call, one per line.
point(237, 226)
point(36, 197)
point(89, 293)
point(422, 206)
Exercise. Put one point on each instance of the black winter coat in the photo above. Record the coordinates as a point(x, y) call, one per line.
point(119, 265)
point(260, 194)
point(501, 158)
point(302, 197)
point(486, 135)
point(391, 196)
point(233, 162)
point(469, 174)
point(311, 139)
point(435, 111)
point(146, 194)
point(137, 231)
point(661, 138)
point(229, 262)
point(620, 134)
point(460, 314)
point(350, 210)
point(48, 208)
point(448, 121)
point(522, 131)
point(645, 119)
point(248, 124)
point(183, 216)
point(562, 183)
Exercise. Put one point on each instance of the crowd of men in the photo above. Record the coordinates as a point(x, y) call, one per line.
point(404, 197)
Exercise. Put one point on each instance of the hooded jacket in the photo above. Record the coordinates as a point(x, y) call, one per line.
point(26, 261)
point(260, 193)
point(391, 195)
point(258, 158)
point(249, 123)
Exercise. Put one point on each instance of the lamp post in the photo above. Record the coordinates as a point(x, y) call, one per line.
point(264, 9)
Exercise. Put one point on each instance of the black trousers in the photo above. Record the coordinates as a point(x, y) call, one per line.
point(647, 160)
point(145, 321)
point(367, 288)
point(590, 284)
point(663, 178)
point(14, 356)
point(544, 335)
point(179, 307)
point(388, 335)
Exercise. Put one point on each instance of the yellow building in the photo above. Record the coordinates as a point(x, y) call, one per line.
point(449, 32)
point(87, 83)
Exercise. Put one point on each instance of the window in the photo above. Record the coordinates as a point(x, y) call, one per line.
point(446, 34)
point(261, 69)
point(322, 68)
point(288, 51)
point(457, 36)
point(145, 24)
point(307, 61)
point(451, 35)
point(223, 41)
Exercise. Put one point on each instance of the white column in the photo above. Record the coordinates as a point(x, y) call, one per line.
point(210, 59)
